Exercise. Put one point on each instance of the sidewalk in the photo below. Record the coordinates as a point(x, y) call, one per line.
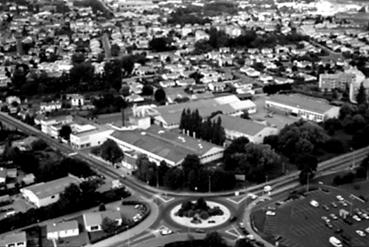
point(126, 235)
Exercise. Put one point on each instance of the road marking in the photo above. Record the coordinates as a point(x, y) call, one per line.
point(236, 201)
point(234, 232)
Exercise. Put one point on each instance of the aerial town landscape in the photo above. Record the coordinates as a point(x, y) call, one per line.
point(184, 123)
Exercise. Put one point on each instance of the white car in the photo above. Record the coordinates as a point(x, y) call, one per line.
point(270, 213)
point(339, 197)
point(333, 216)
point(367, 230)
point(165, 231)
point(252, 196)
point(314, 203)
point(357, 218)
point(360, 233)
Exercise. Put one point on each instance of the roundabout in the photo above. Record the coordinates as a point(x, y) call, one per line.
point(197, 220)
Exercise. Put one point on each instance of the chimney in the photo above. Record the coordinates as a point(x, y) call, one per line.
point(194, 135)
point(188, 132)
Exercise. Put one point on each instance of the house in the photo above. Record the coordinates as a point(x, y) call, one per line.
point(87, 135)
point(94, 220)
point(76, 100)
point(62, 230)
point(302, 106)
point(43, 194)
point(2, 175)
point(160, 144)
point(28, 179)
point(50, 106)
point(18, 239)
point(52, 125)
point(236, 127)
point(11, 172)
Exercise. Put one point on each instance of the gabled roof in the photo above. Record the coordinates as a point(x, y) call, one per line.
point(241, 125)
point(62, 226)
point(96, 218)
point(44, 190)
point(15, 238)
point(170, 145)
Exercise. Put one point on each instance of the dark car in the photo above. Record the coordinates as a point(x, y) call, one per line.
point(326, 207)
point(338, 230)
point(348, 221)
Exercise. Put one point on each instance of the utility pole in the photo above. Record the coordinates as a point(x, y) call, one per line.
point(209, 182)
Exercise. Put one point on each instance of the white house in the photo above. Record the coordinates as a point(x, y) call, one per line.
point(43, 194)
point(51, 126)
point(76, 100)
point(236, 127)
point(50, 106)
point(62, 230)
point(93, 220)
point(18, 239)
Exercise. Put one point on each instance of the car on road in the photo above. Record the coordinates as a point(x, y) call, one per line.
point(360, 233)
point(325, 207)
point(333, 216)
point(357, 218)
point(314, 203)
point(252, 196)
point(165, 231)
point(198, 230)
point(270, 213)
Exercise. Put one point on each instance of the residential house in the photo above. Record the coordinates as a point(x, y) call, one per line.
point(29, 179)
point(52, 125)
point(76, 100)
point(301, 106)
point(50, 106)
point(93, 220)
point(236, 127)
point(18, 239)
point(63, 229)
point(46, 193)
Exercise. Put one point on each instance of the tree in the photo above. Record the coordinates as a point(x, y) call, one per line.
point(115, 50)
point(108, 225)
point(361, 97)
point(147, 90)
point(214, 239)
point(113, 74)
point(160, 96)
point(236, 146)
point(110, 151)
point(191, 162)
point(65, 132)
point(174, 178)
point(160, 44)
point(146, 170)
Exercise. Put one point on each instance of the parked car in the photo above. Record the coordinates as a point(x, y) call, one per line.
point(270, 213)
point(334, 204)
point(333, 216)
point(314, 203)
point(340, 198)
point(357, 218)
point(165, 231)
point(360, 233)
point(325, 207)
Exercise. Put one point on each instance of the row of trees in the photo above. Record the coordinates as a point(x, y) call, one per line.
point(208, 130)
point(190, 175)
point(250, 39)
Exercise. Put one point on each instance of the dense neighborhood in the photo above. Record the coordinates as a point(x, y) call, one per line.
point(113, 111)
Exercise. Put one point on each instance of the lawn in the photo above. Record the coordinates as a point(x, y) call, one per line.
point(300, 224)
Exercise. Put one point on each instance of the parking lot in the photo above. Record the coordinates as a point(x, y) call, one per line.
point(297, 223)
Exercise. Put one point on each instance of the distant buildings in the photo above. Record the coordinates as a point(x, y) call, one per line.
point(328, 82)
point(43, 194)
point(301, 106)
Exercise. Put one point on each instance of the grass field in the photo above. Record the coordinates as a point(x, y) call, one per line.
point(300, 225)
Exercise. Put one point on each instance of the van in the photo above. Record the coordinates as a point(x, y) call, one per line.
point(335, 241)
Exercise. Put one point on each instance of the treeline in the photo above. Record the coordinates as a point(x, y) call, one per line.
point(208, 130)
point(75, 198)
point(249, 39)
point(45, 163)
point(191, 175)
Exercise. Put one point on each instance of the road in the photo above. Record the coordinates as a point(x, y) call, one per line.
point(165, 199)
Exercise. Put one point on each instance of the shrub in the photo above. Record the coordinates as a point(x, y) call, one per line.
point(204, 215)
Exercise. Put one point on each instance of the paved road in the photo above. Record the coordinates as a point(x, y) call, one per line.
point(144, 233)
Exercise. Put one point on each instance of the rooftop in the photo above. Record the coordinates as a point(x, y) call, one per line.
point(241, 125)
point(43, 190)
point(301, 101)
point(170, 145)
point(15, 238)
point(62, 226)
point(96, 218)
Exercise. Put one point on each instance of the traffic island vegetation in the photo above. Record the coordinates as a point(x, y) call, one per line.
point(198, 210)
